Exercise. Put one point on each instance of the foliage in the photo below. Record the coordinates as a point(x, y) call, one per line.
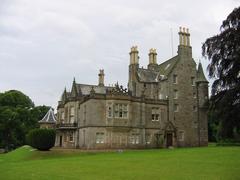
point(223, 51)
point(181, 163)
point(41, 139)
point(17, 117)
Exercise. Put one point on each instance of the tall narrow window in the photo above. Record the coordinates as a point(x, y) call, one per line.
point(155, 114)
point(175, 79)
point(71, 139)
point(175, 94)
point(109, 110)
point(72, 112)
point(193, 81)
point(176, 107)
point(181, 136)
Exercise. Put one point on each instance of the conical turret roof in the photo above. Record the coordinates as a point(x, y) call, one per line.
point(200, 74)
point(49, 117)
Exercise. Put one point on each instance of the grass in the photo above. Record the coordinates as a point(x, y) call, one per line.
point(183, 163)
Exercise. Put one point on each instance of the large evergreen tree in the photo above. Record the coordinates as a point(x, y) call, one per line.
point(223, 51)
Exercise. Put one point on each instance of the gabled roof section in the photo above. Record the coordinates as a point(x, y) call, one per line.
point(86, 89)
point(145, 75)
point(200, 74)
point(166, 67)
point(49, 117)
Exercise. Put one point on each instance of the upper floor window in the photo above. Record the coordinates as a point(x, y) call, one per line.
point(99, 137)
point(194, 95)
point(72, 111)
point(155, 114)
point(109, 110)
point(175, 94)
point(194, 108)
point(193, 81)
point(62, 115)
point(121, 110)
point(175, 79)
point(176, 107)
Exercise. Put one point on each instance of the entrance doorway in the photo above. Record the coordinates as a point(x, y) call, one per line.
point(60, 141)
point(169, 139)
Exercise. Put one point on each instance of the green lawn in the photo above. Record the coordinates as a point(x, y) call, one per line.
point(183, 163)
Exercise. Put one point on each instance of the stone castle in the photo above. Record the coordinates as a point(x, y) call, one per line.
point(164, 105)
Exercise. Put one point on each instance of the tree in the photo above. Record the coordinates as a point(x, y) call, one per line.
point(223, 51)
point(17, 117)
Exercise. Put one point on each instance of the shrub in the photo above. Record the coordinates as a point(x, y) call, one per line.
point(41, 139)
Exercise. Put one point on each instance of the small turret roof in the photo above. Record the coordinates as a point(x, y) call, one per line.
point(200, 74)
point(49, 117)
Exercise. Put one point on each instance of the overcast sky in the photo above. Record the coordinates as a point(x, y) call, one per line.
point(45, 43)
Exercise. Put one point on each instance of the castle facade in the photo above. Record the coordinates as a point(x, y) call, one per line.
point(164, 105)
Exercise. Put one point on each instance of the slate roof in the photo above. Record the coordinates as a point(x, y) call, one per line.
point(146, 75)
point(163, 71)
point(49, 117)
point(166, 67)
point(200, 74)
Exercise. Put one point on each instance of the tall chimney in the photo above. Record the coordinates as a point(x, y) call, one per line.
point(101, 78)
point(184, 36)
point(152, 56)
point(134, 55)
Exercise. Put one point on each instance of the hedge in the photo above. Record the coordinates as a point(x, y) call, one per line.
point(41, 139)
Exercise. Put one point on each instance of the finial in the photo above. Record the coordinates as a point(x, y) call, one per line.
point(184, 29)
point(180, 29)
point(187, 30)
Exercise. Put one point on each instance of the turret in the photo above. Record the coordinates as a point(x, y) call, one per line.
point(152, 59)
point(202, 103)
point(202, 85)
point(184, 48)
point(101, 78)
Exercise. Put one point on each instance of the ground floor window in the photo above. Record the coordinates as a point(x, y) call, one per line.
point(148, 138)
point(181, 136)
point(71, 139)
point(134, 139)
point(99, 137)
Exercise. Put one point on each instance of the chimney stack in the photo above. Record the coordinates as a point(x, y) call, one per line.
point(152, 56)
point(184, 36)
point(101, 78)
point(134, 55)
